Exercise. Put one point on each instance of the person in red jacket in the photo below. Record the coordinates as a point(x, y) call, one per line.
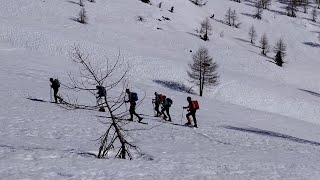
point(192, 112)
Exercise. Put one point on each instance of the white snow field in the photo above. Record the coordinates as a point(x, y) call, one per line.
point(260, 122)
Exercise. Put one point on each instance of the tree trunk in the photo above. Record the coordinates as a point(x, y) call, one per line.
point(202, 85)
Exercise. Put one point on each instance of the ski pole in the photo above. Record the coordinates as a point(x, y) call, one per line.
point(50, 93)
point(181, 116)
point(154, 111)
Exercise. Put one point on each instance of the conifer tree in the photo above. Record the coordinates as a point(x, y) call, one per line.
point(83, 18)
point(264, 44)
point(205, 29)
point(314, 14)
point(228, 17)
point(203, 70)
point(259, 9)
point(252, 34)
point(280, 50)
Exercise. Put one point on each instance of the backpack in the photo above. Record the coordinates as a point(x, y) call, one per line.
point(161, 98)
point(56, 83)
point(169, 101)
point(101, 91)
point(195, 105)
point(134, 96)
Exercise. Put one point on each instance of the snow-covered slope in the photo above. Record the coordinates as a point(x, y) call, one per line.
point(261, 122)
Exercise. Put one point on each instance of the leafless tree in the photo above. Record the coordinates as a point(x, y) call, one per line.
point(317, 2)
point(83, 18)
point(264, 44)
point(110, 77)
point(231, 18)
point(265, 4)
point(234, 19)
point(199, 2)
point(314, 14)
point(81, 3)
point(228, 17)
point(292, 8)
point(259, 9)
point(203, 70)
point(252, 34)
point(205, 29)
point(305, 4)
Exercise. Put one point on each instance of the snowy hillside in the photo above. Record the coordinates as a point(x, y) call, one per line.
point(260, 122)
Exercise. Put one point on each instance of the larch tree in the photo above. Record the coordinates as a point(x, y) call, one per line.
point(252, 34)
point(259, 9)
point(203, 71)
point(264, 44)
point(205, 29)
point(292, 8)
point(228, 17)
point(314, 14)
point(82, 17)
point(280, 50)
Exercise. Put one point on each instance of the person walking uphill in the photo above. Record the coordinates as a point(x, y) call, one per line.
point(165, 108)
point(55, 84)
point(100, 98)
point(132, 98)
point(157, 101)
point(192, 109)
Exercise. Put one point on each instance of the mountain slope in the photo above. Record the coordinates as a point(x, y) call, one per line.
point(261, 122)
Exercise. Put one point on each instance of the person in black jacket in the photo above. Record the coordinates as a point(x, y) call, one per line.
point(157, 102)
point(100, 98)
point(55, 84)
point(132, 109)
point(166, 104)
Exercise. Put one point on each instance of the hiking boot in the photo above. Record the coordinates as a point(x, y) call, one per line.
point(140, 119)
point(170, 120)
point(195, 126)
point(187, 124)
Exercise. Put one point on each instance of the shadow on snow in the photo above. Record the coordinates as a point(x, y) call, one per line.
point(25, 148)
point(175, 86)
point(272, 134)
point(311, 92)
point(312, 44)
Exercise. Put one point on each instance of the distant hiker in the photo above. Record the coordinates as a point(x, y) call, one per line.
point(192, 109)
point(101, 97)
point(212, 16)
point(55, 84)
point(166, 104)
point(132, 98)
point(157, 101)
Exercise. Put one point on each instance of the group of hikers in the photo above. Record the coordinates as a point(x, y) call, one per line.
point(160, 100)
point(166, 103)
